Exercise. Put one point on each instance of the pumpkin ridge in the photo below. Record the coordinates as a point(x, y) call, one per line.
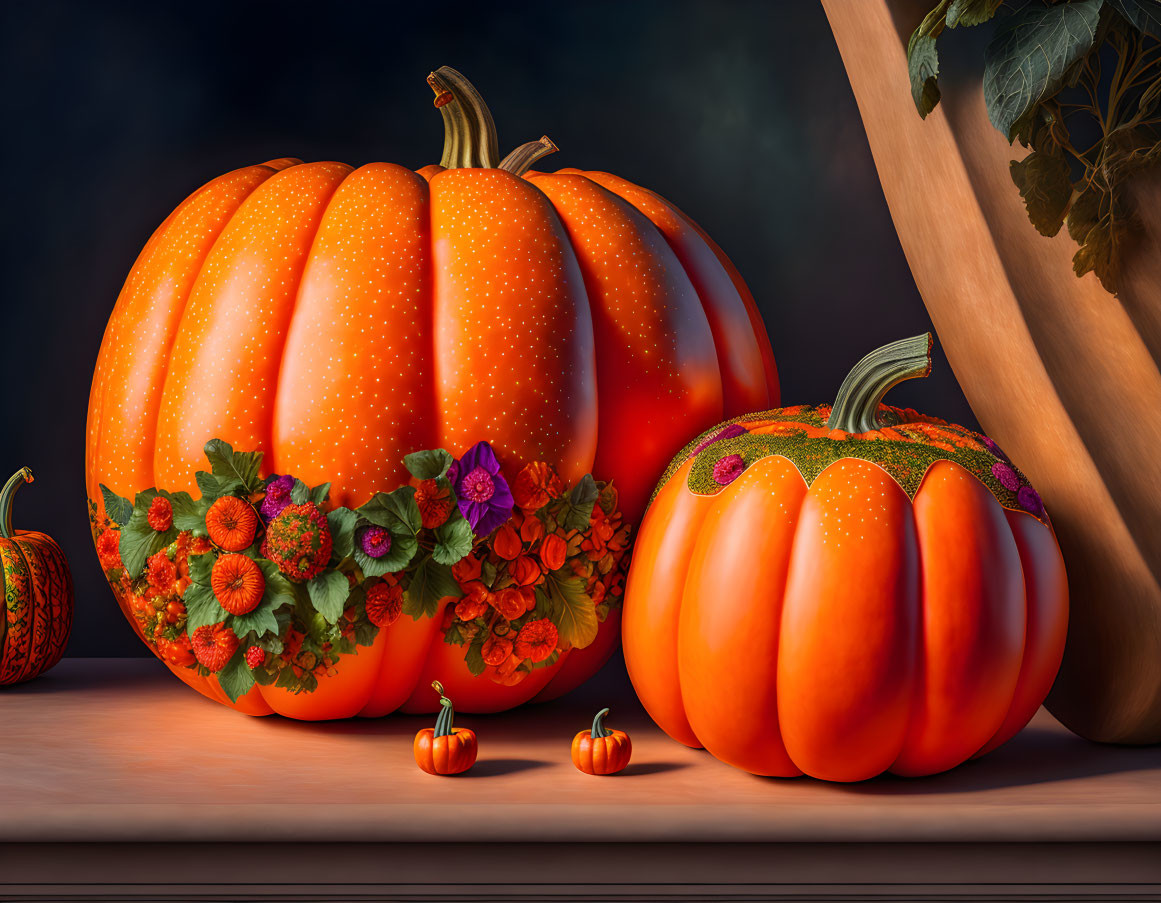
point(42, 614)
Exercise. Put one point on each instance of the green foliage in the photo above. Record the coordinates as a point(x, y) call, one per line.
point(328, 593)
point(428, 465)
point(139, 540)
point(579, 511)
point(342, 524)
point(572, 610)
point(453, 539)
point(230, 466)
point(1056, 75)
point(118, 509)
point(236, 678)
point(430, 582)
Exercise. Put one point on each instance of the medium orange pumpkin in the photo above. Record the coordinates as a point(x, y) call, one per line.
point(337, 319)
point(599, 750)
point(445, 749)
point(845, 591)
point(38, 595)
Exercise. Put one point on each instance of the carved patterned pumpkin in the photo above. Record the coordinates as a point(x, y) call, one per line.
point(38, 595)
point(337, 319)
point(845, 591)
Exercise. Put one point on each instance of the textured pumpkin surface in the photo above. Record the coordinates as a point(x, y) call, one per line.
point(38, 603)
point(337, 319)
point(823, 616)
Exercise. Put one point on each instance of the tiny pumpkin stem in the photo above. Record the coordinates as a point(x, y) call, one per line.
point(599, 729)
point(856, 407)
point(469, 132)
point(443, 721)
point(18, 479)
point(521, 159)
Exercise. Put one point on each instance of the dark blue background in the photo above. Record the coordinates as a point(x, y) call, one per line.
point(739, 112)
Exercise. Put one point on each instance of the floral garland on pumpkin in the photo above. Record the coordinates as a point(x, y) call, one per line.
point(258, 582)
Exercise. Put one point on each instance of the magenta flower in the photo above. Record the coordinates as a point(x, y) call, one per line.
point(1006, 475)
point(728, 469)
point(729, 432)
point(375, 541)
point(1030, 500)
point(277, 496)
point(994, 449)
point(482, 493)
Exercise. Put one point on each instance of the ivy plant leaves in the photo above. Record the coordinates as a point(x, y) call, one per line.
point(398, 514)
point(430, 582)
point(428, 465)
point(230, 466)
point(971, 12)
point(1030, 55)
point(581, 500)
point(923, 50)
point(453, 539)
point(328, 594)
point(1045, 184)
point(236, 678)
point(342, 525)
point(1144, 15)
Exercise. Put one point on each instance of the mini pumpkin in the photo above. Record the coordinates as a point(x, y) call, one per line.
point(841, 591)
point(601, 750)
point(38, 595)
point(445, 749)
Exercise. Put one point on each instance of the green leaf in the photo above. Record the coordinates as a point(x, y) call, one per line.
point(474, 657)
point(202, 608)
point(1144, 15)
point(201, 567)
point(964, 13)
point(328, 593)
point(1045, 184)
point(213, 488)
point(581, 500)
point(453, 540)
point(261, 620)
point(236, 678)
point(139, 540)
point(342, 523)
point(230, 465)
point(403, 549)
point(575, 616)
point(396, 510)
point(1098, 255)
point(119, 509)
point(1085, 213)
point(187, 513)
point(1030, 54)
point(299, 493)
point(923, 70)
point(430, 582)
point(319, 494)
point(428, 465)
point(279, 589)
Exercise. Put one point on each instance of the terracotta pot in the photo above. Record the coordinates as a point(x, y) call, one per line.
point(1059, 372)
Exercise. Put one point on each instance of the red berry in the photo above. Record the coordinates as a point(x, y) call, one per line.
point(160, 515)
point(255, 657)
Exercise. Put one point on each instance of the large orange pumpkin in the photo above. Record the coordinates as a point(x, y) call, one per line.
point(337, 319)
point(845, 591)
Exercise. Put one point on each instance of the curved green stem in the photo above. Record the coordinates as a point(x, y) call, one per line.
point(856, 407)
point(443, 721)
point(18, 479)
point(469, 132)
point(521, 159)
point(599, 729)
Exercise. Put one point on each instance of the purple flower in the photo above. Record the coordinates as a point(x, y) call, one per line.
point(1006, 475)
point(1030, 500)
point(730, 432)
point(277, 496)
point(994, 449)
point(728, 469)
point(482, 493)
point(375, 541)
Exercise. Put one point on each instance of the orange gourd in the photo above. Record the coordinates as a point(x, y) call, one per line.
point(445, 749)
point(845, 591)
point(38, 595)
point(600, 750)
point(337, 319)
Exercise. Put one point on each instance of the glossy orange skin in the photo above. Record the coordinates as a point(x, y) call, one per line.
point(842, 630)
point(371, 312)
point(601, 755)
point(452, 754)
point(37, 605)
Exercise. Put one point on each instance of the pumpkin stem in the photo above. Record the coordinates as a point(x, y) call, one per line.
point(469, 132)
point(443, 721)
point(856, 407)
point(18, 479)
point(599, 729)
point(521, 159)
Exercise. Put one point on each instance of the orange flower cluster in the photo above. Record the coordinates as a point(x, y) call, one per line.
point(500, 577)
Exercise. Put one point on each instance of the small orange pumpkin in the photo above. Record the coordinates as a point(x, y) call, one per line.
point(600, 750)
point(445, 749)
point(841, 591)
point(38, 595)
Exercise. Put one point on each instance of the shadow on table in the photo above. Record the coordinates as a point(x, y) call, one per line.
point(1036, 755)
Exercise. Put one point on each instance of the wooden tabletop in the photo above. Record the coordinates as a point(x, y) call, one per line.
point(119, 750)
